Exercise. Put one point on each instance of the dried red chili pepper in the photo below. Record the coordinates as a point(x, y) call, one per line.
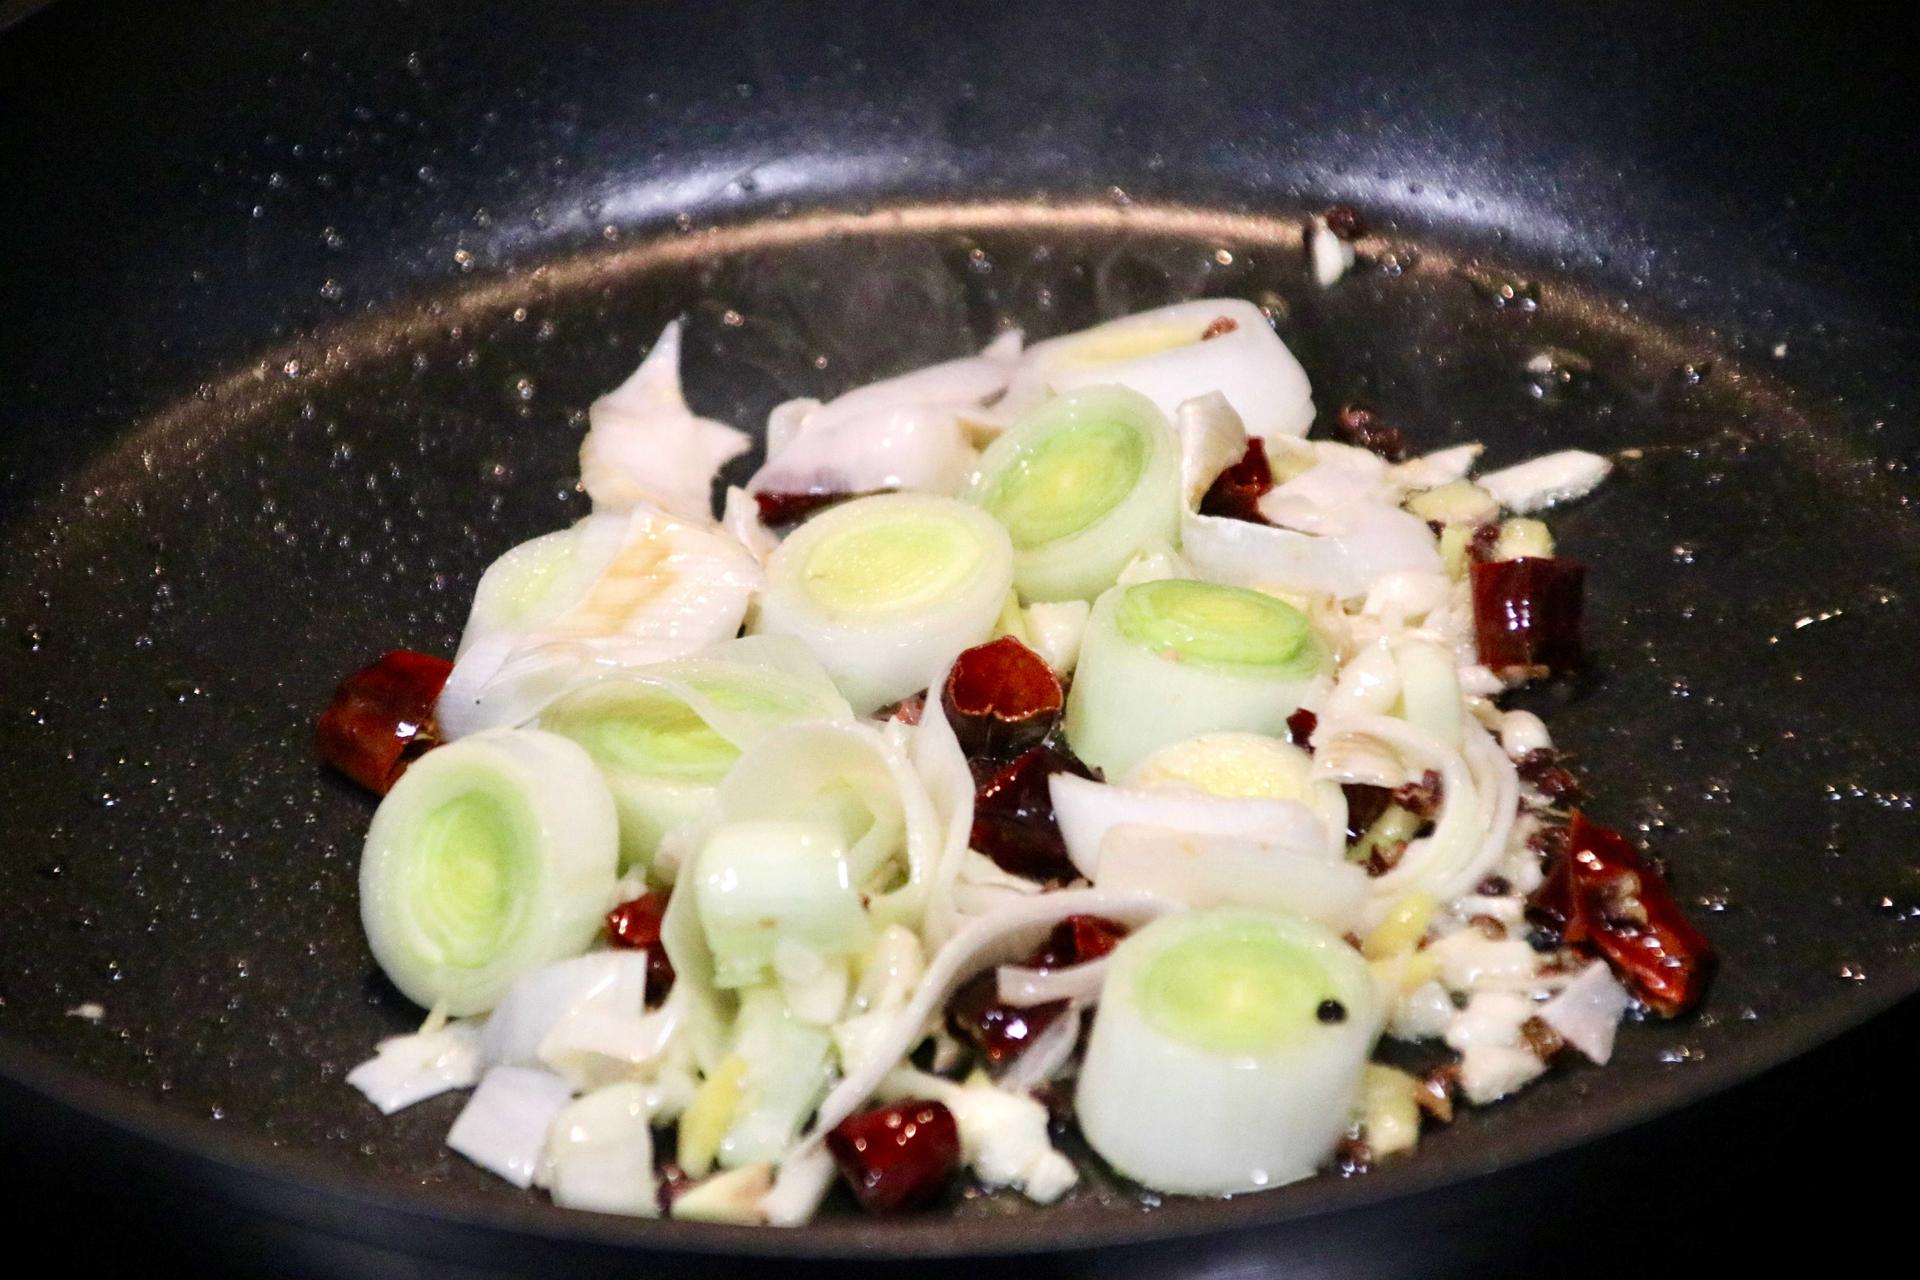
point(998, 1032)
point(1076, 940)
point(780, 509)
point(1604, 897)
point(1362, 428)
point(1001, 699)
point(1002, 1032)
point(381, 718)
point(636, 926)
point(1236, 492)
point(1013, 820)
point(1526, 613)
point(897, 1157)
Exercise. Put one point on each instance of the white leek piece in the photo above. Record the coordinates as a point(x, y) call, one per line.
point(645, 447)
point(907, 432)
point(504, 1126)
point(1250, 766)
point(761, 883)
point(1228, 1051)
point(1544, 481)
point(665, 735)
point(616, 590)
point(884, 591)
point(1168, 660)
point(1166, 355)
point(489, 858)
point(850, 780)
point(412, 1068)
point(787, 1072)
point(1430, 689)
point(1372, 541)
point(1083, 484)
point(1089, 811)
point(600, 1154)
point(1211, 871)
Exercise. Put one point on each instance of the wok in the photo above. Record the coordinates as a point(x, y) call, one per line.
point(301, 305)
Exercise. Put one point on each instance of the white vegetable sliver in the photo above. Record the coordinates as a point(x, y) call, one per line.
point(1023, 987)
point(504, 1126)
point(603, 982)
point(1162, 355)
point(1544, 481)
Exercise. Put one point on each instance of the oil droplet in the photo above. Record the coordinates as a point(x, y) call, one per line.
point(330, 290)
point(1851, 972)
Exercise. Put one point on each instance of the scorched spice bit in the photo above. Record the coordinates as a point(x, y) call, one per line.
point(1362, 428)
point(897, 1157)
point(381, 718)
point(1345, 222)
point(635, 926)
point(1300, 727)
point(1603, 897)
point(1549, 777)
point(1365, 804)
point(1526, 613)
point(1236, 492)
point(1013, 820)
point(1001, 699)
point(1422, 798)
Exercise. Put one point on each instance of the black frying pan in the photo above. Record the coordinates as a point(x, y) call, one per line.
point(300, 307)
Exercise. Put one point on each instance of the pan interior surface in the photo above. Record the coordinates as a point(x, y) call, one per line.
point(178, 607)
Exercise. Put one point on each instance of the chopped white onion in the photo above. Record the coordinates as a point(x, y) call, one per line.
point(1329, 256)
point(1522, 733)
point(1431, 470)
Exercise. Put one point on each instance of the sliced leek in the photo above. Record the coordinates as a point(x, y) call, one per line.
point(885, 591)
point(1168, 660)
point(1083, 484)
point(787, 1073)
point(491, 857)
point(665, 735)
point(1228, 1051)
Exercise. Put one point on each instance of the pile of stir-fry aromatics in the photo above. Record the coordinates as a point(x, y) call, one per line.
point(1056, 736)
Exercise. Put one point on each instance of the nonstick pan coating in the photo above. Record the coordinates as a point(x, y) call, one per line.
point(302, 315)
